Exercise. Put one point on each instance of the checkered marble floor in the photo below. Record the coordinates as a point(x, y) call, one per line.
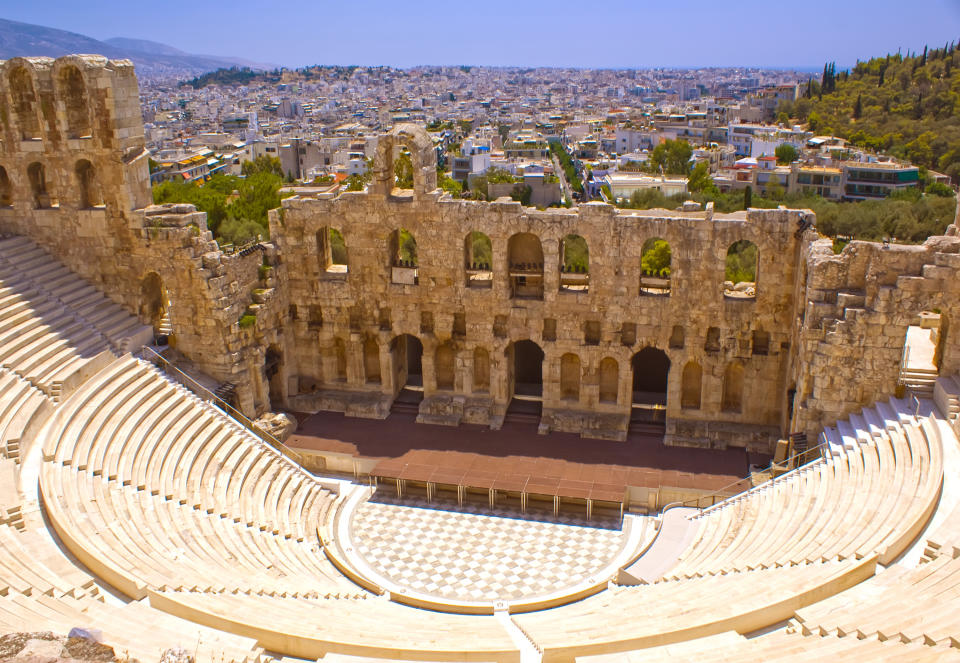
point(471, 555)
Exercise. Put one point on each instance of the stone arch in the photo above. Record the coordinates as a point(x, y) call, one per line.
point(154, 302)
point(403, 248)
point(73, 93)
point(423, 158)
point(331, 251)
point(481, 370)
point(371, 360)
point(570, 377)
point(23, 98)
point(691, 386)
point(478, 259)
point(273, 370)
point(656, 267)
point(444, 364)
point(406, 353)
point(340, 356)
point(525, 259)
point(88, 186)
point(609, 380)
point(733, 387)
point(37, 176)
point(651, 374)
point(6, 189)
point(742, 270)
point(574, 264)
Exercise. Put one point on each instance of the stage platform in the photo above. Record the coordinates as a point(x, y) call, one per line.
point(516, 462)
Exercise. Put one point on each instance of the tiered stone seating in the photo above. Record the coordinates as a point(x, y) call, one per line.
point(874, 491)
point(20, 402)
point(309, 628)
point(197, 500)
point(674, 610)
point(30, 270)
point(730, 647)
point(134, 630)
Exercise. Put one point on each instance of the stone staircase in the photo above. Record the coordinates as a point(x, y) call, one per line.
point(919, 381)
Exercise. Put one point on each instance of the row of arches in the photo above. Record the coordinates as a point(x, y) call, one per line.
point(70, 89)
point(650, 370)
point(525, 262)
point(42, 195)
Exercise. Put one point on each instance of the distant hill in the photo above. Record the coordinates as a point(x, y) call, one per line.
point(144, 46)
point(905, 105)
point(152, 59)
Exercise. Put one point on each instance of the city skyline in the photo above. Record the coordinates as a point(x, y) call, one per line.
point(532, 34)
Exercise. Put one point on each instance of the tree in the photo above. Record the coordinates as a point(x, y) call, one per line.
point(673, 156)
point(262, 164)
point(747, 197)
point(786, 153)
point(700, 180)
point(655, 260)
point(403, 170)
point(813, 121)
point(783, 118)
point(858, 107)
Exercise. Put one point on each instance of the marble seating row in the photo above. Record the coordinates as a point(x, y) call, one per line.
point(873, 491)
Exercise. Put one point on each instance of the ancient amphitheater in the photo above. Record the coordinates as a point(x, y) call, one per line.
point(134, 504)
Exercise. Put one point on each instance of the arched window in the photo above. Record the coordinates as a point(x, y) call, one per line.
point(478, 260)
point(444, 366)
point(742, 266)
point(574, 264)
point(73, 91)
point(38, 186)
point(655, 267)
point(609, 380)
point(24, 100)
point(89, 188)
point(403, 257)
point(733, 388)
point(153, 301)
point(6, 189)
point(331, 252)
point(525, 258)
point(570, 377)
point(371, 360)
point(691, 385)
point(481, 370)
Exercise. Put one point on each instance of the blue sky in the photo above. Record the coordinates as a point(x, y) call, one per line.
point(684, 33)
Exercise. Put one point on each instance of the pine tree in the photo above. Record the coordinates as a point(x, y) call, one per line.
point(858, 108)
point(923, 60)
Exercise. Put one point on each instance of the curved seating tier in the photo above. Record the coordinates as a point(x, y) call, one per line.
point(153, 488)
point(874, 491)
point(784, 647)
point(309, 628)
point(135, 630)
point(28, 268)
point(647, 615)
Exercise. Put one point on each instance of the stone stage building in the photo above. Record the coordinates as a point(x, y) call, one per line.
point(357, 297)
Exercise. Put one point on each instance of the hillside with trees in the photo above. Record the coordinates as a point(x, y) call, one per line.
point(904, 105)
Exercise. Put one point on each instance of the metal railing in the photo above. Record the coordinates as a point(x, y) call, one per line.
point(201, 392)
point(746, 484)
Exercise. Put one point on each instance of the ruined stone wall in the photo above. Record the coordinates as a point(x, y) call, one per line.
point(854, 325)
point(337, 320)
point(74, 177)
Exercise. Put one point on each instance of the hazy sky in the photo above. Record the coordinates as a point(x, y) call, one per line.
point(684, 33)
